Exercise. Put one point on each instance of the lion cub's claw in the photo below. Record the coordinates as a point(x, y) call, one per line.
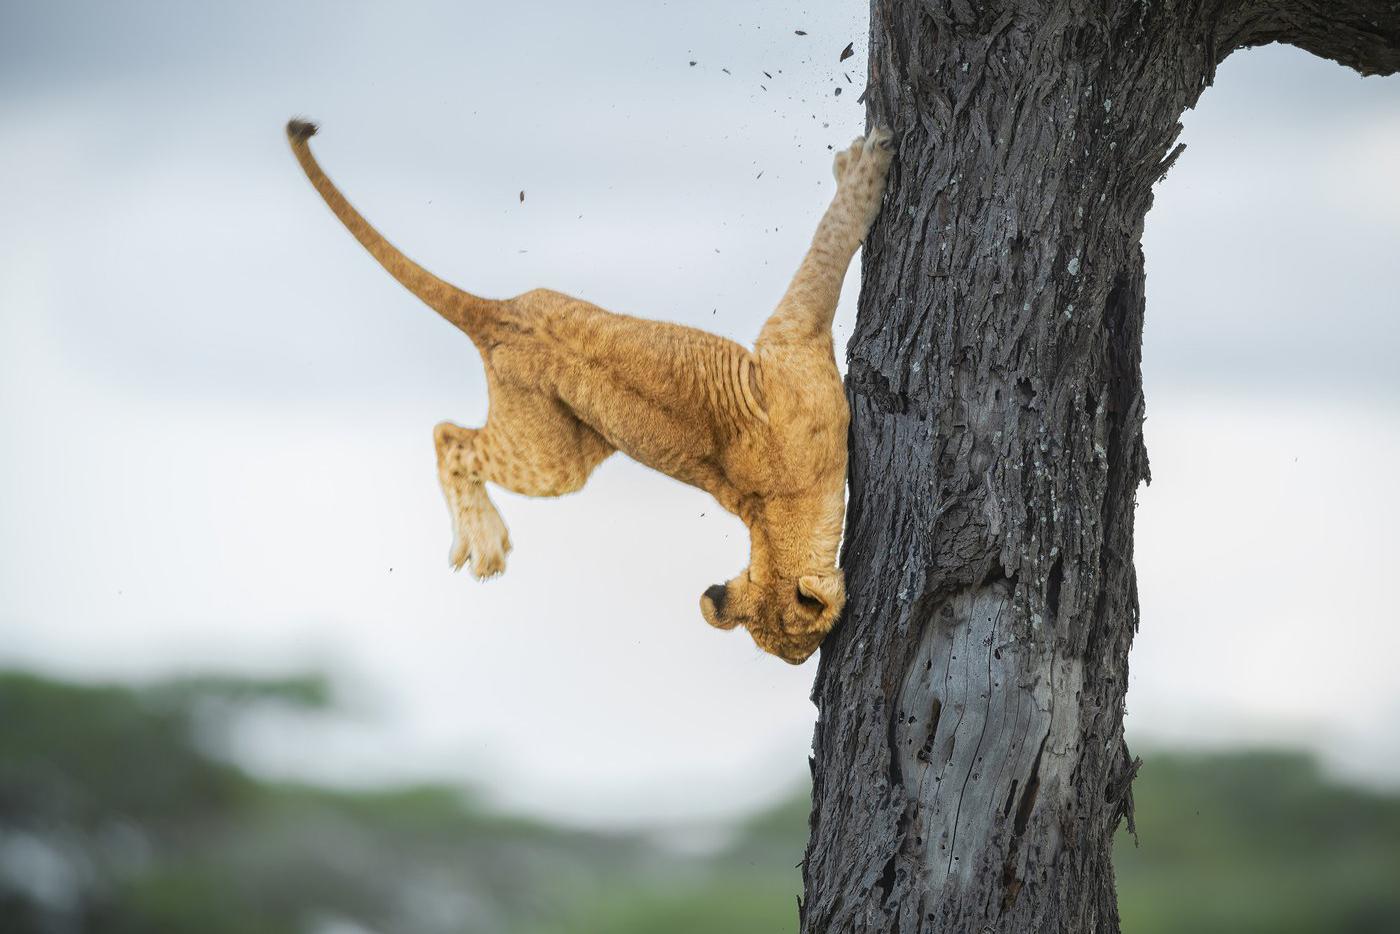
point(457, 556)
point(485, 567)
point(881, 137)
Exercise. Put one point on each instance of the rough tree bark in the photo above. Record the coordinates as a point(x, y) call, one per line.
point(970, 767)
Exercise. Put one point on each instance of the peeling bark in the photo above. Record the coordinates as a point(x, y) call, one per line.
point(970, 767)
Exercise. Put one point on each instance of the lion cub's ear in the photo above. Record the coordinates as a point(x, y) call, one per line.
point(828, 590)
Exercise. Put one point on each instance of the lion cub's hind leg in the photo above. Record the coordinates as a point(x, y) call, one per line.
point(478, 532)
point(530, 445)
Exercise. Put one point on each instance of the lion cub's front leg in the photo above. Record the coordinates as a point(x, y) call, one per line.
point(807, 308)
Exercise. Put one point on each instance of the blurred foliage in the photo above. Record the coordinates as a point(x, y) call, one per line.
point(1258, 843)
point(116, 817)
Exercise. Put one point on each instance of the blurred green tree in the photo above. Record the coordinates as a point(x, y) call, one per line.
point(116, 818)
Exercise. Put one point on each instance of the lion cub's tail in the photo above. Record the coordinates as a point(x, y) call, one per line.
point(471, 313)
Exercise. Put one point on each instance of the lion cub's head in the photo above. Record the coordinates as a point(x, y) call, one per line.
point(786, 616)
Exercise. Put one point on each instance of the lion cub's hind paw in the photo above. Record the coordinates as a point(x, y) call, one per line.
point(482, 541)
point(489, 564)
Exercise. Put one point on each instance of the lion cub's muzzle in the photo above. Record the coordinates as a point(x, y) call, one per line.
point(729, 606)
point(712, 604)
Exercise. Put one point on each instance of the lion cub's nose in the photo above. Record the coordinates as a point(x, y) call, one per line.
point(718, 595)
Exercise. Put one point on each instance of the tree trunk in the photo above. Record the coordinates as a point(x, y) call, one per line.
point(970, 767)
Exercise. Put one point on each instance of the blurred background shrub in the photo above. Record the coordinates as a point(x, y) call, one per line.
point(117, 814)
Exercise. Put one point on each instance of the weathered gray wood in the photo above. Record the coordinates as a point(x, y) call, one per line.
point(970, 767)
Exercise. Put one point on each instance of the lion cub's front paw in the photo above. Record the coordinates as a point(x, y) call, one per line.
point(861, 170)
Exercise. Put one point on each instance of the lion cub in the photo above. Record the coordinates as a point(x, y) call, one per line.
point(762, 430)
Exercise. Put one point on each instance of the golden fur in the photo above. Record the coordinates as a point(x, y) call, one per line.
point(763, 431)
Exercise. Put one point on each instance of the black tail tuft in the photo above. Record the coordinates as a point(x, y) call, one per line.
point(299, 131)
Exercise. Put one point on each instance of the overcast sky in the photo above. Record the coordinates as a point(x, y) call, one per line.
point(216, 410)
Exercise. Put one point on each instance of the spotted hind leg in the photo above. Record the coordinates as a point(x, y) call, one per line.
point(530, 445)
point(479, 534)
